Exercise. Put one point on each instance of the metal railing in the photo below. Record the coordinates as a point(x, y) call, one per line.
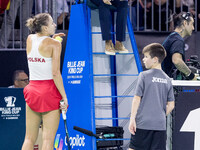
point(145, 15)
point(154, 15)
point(13, 32)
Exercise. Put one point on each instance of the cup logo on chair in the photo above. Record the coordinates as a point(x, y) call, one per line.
point(10, 100)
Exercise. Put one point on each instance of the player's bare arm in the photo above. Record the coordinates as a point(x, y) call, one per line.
point(180, 64)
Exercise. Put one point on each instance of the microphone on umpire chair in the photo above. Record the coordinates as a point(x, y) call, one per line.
point(90, 133)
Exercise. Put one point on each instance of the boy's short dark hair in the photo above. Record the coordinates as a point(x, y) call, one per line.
point(155, 50)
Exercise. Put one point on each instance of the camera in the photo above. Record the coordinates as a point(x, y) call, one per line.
point(193, 64)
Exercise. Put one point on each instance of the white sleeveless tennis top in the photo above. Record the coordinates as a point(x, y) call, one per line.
point(40, 68)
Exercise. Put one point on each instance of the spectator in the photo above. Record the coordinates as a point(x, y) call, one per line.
point(174, 64)
point(159, 7)
point(105, 22)
point(184, 5)
point(188, 6)
point(141, 13)
point(62, 12)
point(147, 132)
point(10, 20)
point(20, 79)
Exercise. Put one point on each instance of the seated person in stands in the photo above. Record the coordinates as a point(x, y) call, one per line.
point(20, 79)
point(106, 21)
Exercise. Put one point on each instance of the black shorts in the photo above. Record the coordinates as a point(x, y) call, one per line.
point(148, 140)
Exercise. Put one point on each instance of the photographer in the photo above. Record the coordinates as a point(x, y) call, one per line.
point(174, 64)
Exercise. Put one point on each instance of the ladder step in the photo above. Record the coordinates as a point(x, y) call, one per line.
point(115, 75)
point(103, 53)
point(125, 118)
point(113, 96)
point(110, 32)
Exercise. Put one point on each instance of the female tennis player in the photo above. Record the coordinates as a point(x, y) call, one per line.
point(45, 89)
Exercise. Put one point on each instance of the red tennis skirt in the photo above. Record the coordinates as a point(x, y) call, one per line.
point(42, 95)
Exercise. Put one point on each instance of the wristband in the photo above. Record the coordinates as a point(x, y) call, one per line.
point(191, 76)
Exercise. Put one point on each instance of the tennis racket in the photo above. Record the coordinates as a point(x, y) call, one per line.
point(65, 122)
